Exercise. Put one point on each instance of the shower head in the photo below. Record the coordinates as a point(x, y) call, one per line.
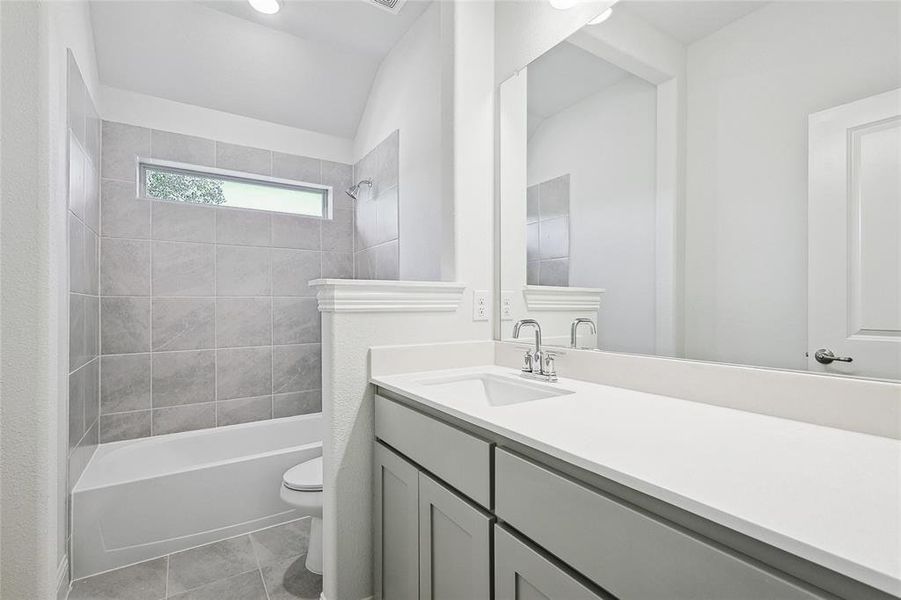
point(355, 188)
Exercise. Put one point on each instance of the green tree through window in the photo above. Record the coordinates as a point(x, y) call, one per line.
point(186, 188)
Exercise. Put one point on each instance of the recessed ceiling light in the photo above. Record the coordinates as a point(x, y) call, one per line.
point(563, 4)
point(601, 17)
point(267, 7)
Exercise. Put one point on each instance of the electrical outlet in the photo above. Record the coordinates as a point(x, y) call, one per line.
point(506, 306)
point(481, 305)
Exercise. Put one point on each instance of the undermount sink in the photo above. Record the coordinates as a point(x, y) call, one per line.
point(494, 390)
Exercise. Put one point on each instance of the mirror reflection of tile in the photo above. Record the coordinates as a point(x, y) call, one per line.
point(547, 232)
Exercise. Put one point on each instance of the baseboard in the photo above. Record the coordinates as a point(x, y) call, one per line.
point(62, 578)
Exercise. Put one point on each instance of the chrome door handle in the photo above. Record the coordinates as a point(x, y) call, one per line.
point(825, 356)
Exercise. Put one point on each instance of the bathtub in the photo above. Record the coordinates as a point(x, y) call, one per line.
point(145, 498)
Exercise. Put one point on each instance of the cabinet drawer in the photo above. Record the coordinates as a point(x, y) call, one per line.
point(521, 573)
point(622, 550)
point(462, 460)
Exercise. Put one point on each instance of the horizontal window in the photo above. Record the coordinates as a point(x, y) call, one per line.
point(165, 182)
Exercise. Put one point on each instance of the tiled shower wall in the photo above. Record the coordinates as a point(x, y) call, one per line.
point(547, 232)
point(376, 249)
point(206, 315)
point(83, 251)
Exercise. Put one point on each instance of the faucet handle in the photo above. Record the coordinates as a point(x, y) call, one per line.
point(527, 362)
point(550, 367)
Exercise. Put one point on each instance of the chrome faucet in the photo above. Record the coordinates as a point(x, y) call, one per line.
point(538, 364)
point(574, 330)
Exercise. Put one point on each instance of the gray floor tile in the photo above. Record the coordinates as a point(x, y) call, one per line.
point(290, 580)
point(281, 542)
point(193, 568)
point(246, 586)
point(143, 581)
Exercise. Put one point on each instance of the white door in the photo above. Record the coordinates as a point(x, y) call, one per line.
point(854, 237)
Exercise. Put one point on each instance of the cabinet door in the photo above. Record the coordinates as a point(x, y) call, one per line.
point(396, 526)
point(521, 573)
point(454, 545)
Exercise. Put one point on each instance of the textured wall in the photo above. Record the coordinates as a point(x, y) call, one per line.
point(376, 244)
point(206, 315)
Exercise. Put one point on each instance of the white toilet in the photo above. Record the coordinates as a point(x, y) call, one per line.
point(302, 487)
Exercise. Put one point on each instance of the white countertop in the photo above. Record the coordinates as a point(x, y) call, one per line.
point(830, 496)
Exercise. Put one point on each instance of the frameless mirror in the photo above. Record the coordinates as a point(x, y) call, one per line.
point(717, 181)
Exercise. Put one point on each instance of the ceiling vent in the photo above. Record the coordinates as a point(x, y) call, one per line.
point(392, 6)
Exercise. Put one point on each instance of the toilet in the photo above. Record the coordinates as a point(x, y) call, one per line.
point(302, 488)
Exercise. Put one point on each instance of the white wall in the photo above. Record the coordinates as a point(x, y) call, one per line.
point(124, 106)
point(406, 96)
point(607, 143)
point(751, 86)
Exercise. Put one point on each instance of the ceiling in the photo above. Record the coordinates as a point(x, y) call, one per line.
point(309, 66)
point(690, 20)
point(562, 77)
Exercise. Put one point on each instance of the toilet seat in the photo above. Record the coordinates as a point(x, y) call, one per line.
point(305, 477)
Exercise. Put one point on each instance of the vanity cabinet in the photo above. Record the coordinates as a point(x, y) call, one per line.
point(439, 530)
point(451, 508)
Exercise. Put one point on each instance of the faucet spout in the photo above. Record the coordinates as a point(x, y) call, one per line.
point(517, 327)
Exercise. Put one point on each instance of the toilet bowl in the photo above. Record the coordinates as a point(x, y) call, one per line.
point(302, 488)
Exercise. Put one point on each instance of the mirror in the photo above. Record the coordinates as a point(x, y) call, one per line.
point(716, 181)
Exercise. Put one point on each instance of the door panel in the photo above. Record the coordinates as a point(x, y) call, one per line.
point(396, 526)
point(854, 236)
point(454, 545)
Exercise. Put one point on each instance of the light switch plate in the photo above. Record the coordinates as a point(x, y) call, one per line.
point(481, 305)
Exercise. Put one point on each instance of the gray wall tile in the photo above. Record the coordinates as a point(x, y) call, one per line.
point(243, 158)
point(292, 270)
point(296, 403)
point(92, 134)
point(242, 271)
point(124, 383)
point(76, 192)
point(184, 418)
point(92, 196)
point(78, 277)
point(387, 223)
point(243, 322)
point(125, 267)
point(366, 223)
point(554, 272)
point(122, 145)
point(92, 262)
point(124, 426)
point(299, 168)
point(533, 250)
point(532, 269)
point(239, 226)
point(295, 321)
point(123, 214)
point(183, 148)
point(293, 231)
point(244, 410)
point(125, 325)
point(243, 372)
point(296, 368)
point(364, 264)
point(183, 269)
point(92, 325)
point(92, 392)
point(337, 265)
point(554, 197)
point(183, 323)
point(386, 261)
point(183, 377)
point(81, 455)
point(76, 405)
point(183, 222)
point(338, 232)
point(554, 238)
point(532, 193)
point(76, 99)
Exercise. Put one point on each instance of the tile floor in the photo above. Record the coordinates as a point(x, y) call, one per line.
point(264, 565)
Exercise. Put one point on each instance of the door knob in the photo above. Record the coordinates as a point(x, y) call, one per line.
point(825, 356)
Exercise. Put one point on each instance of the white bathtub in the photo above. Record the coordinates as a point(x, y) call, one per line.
point(144, 498)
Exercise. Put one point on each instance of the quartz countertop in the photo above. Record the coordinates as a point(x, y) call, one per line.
point(827, 495)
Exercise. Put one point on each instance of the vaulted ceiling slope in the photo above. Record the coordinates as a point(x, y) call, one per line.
point(310, 74)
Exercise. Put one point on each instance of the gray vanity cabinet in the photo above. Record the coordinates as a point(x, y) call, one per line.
point(396, 526)
point(454, 545)
point(430, 542)
point(522, 573)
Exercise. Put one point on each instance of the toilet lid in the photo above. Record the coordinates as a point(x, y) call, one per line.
point(305, 477)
